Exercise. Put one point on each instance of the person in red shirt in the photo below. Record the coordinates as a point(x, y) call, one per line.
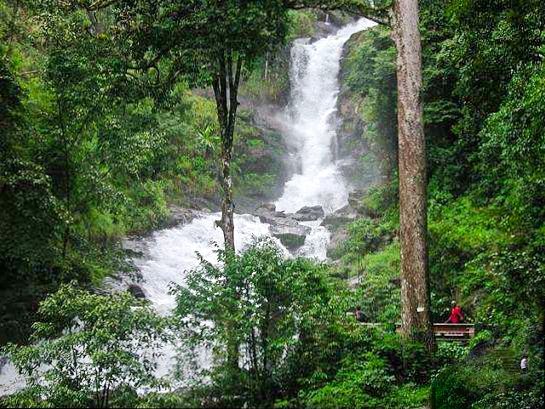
point(456, 314)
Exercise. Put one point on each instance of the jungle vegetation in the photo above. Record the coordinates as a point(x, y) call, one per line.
point(113, 111)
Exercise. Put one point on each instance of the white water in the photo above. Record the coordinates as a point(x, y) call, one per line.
point(309, 122)
point(170, 252)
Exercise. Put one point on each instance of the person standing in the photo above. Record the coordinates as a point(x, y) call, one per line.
point(456, 314)
point(524, 363)
point(359, 314)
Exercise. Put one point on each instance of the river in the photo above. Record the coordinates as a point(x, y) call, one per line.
point(309, 123)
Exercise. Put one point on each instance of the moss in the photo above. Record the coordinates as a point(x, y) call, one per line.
point(291, 241)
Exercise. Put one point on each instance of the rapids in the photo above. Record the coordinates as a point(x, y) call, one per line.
point(308, 124)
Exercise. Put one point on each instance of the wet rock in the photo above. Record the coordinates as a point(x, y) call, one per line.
point(205, 204)
point(340, 217)
point(136, 291)
point(309, 213)
point(110, 284)
point(291, 234)
point(283, 226)
point(133, 251)
point(3, 361)
point(267, 213)
point(179, 215)
point(270, 207)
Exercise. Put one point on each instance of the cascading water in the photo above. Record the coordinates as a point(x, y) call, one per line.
point(309, 121)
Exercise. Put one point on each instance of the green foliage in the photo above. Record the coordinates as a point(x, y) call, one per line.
point(370, 68)
point(297, 347)
point(257, 167)
point(493, 380)
point(301, 23)
point(85, 350)
point(376, 371)
point(89, 152)
point(277, 309)
point(192, 34)
point(357, 384)
point(365, 236)
point(483, 101)
point(100, 133)
point(379, 291)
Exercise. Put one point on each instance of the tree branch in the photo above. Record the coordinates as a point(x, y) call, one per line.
point(365, 8)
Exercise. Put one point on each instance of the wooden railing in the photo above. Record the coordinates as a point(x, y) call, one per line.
point(454, 332)
point(442, 331)
point(451, 332)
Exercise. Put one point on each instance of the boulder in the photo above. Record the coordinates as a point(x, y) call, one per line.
point(267, 213)
point(309, 213)
point(340, 217)
point(136, 291)
point(283, 226)
point(291, 235)
point(268, 207)
point(179, 215)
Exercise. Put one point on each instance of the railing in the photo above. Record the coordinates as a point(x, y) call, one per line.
point(450, 332)
point(442, 331)
point(454, 332)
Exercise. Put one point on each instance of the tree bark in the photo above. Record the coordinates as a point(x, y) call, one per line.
point(226, 90)
point(225, 87)
point(415, 293)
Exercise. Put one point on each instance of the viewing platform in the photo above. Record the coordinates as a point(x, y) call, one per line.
point(453, 332)
point(461, 332)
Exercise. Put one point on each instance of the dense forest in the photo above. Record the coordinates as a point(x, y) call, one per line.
point(136, 121)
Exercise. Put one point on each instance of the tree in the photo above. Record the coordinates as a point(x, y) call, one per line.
point(79, 149)
point(276, 309)
point(86, 349)
point(207, 44)
point(415, 292)
point(403, 17)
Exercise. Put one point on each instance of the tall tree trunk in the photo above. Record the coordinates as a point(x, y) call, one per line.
point(226, 91)
point(227, 223)
point(415, 293)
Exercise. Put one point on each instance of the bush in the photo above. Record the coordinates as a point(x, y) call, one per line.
point(88, 351)
point(379, 293)
point(366, 381)
point(267, 312)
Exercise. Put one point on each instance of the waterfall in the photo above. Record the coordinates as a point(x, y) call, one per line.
point(310, 121)
point(310, 124)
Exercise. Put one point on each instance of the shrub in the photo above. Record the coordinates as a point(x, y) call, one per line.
point(88, 350)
